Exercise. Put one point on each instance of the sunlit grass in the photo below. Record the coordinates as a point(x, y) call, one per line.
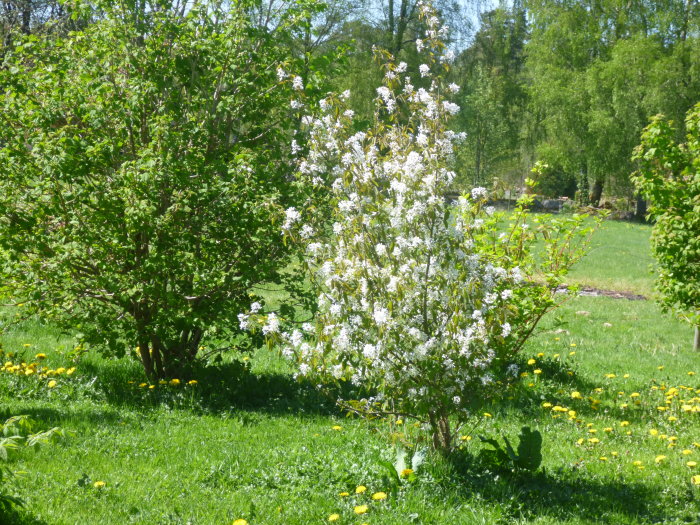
point(248, 442)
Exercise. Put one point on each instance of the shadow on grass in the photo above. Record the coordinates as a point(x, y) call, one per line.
point(219, 388)
point(18, 516)
point(563, 495)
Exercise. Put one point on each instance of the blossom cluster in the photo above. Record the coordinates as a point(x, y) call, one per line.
point(405, 298)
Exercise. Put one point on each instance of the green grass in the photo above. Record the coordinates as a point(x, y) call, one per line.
point(619, 259)
point(249, 442)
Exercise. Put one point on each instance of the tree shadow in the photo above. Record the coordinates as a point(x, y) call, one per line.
point(563, 495)
point(19, 516)
point(211, 388)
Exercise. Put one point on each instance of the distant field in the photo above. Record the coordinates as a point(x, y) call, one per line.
point(619, 259)
point(248, 442)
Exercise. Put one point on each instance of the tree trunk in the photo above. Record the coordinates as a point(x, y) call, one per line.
point(640, 209)
point(596, 192)
point(440, 426)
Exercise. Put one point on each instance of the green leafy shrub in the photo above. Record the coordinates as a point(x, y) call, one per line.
point(144, 167)
point(669, 177)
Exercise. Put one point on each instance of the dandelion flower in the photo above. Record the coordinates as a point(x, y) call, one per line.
point(537, 371)
point(406, 472)
point(687, 452)
point(624, 423)
point(576, 395)
point(659, 458)
point(361, 489)
point(692, 464)
point(695, 480)
point(40, 356)
point(334, 517)
point(531, 361)
point(361, 509)
point(192, 382)
point(239, 521)
point(174, 382)
point(337, 427)
point(99, 484)
point(378, 496)
point(486, 414)
point(344, 494)
point(52, 383)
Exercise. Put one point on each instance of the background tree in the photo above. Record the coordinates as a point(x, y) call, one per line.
point(669, 176)
point(144, 160)
point(493, 96)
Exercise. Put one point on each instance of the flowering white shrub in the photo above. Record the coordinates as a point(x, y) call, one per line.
point(421, 304)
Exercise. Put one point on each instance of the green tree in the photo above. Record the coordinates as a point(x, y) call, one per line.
point(598, 71)
point(669, 176)
point(493, 97)
point(143, 163)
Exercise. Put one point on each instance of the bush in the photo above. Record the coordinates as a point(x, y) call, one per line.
point(669, 177)
point(144, 171)
point(422, 305)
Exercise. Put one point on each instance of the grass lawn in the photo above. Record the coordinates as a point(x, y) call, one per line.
point(249, 442)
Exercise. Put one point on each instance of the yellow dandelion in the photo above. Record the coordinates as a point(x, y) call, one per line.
point(687, 452)
point(695, 480)
point(70, 371)
point(654, 432)
point(192, 382)
point(143, 385)
point(603, 458)
point(361, 509)
point(361, 489)
point(40, 356)
point(465, 438)
point(99, 484)
point(531, 361)
point(174, 382)
point(378, 496)
point(537, 371)
point(239, 521)
point(406, 472)
point(486, 414)
point(334, 517)
point(52, 383)
point(637, 463)
point(607, 429)
point(151, 387)
point(337, 427)
point(659, 458)
point(576, 395)
point(692, 464)
point(691, 373)
point(660, 367)
point(344, 494)
point(593, 441)
point(624, 423)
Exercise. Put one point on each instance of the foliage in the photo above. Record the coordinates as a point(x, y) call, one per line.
point(422, 305)
point(669, 176)
point(597, 73)
point(144, 163)
point(16, 434)
point(527, 457)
